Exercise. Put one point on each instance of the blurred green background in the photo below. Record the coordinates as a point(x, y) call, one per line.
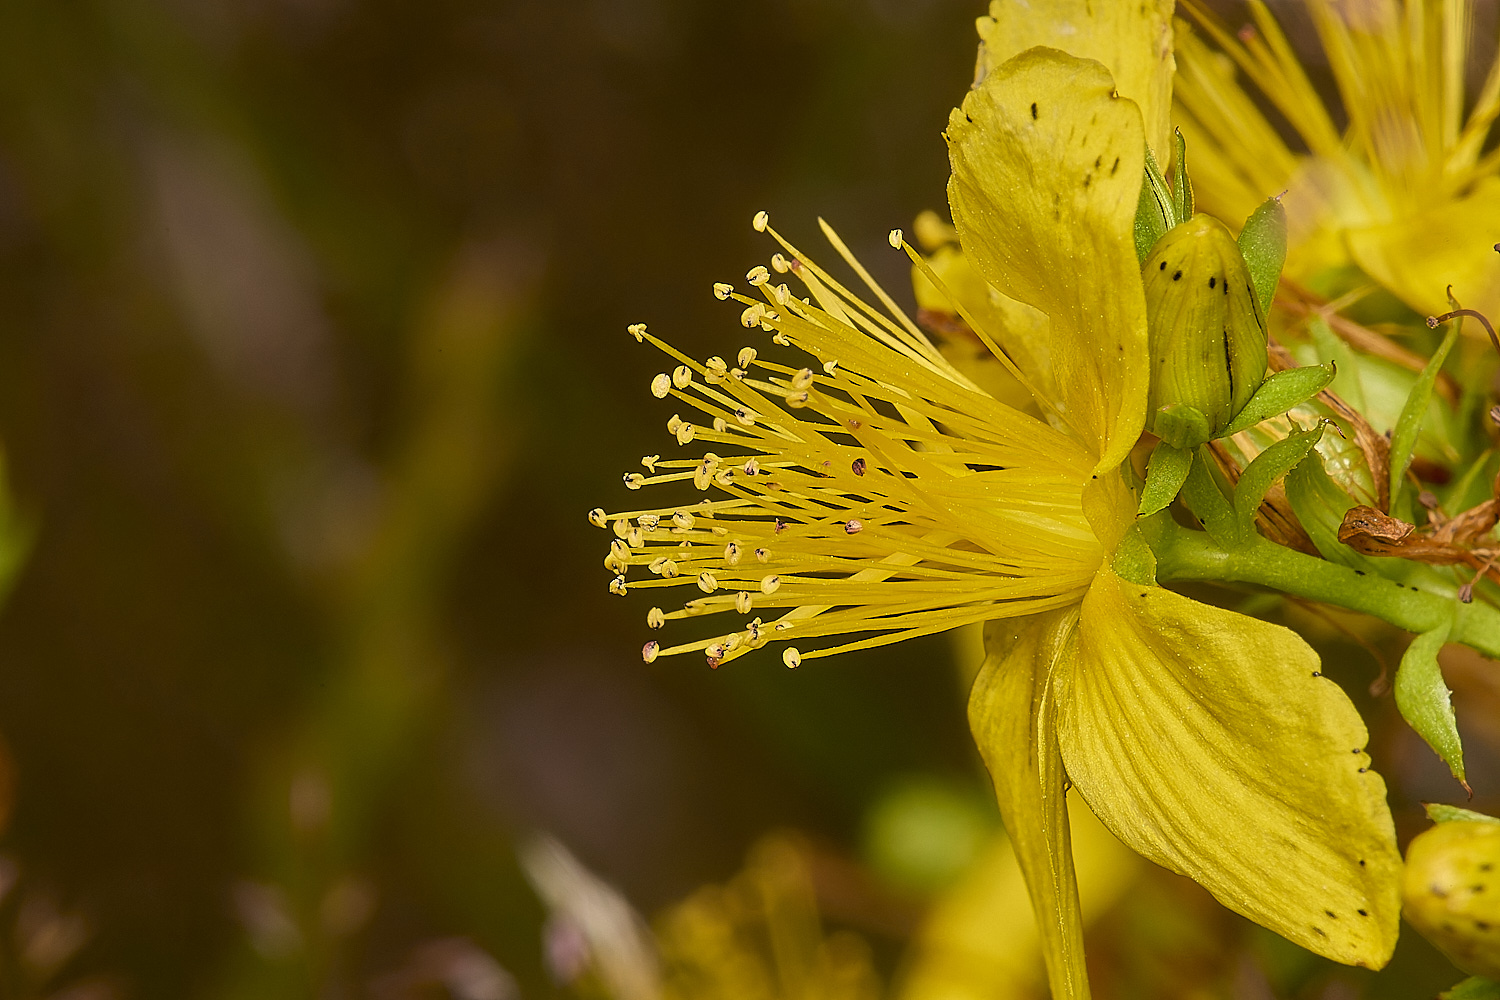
point(312, 359)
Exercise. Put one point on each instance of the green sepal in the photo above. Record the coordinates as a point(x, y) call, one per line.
point(1440, 813)
point(1409, 424)
point(1151, 222)
point(1161, 192)
point(1320, 505)
point(1473, 988)
point(1332, 348)
point(1269, 466)
point(1203, 497)
point(1134, 560)
point(1263, 245)
point(1181, 426)
point(1165, 474)
point(1182, 187)
point(1425, 701)
point(1280, 393)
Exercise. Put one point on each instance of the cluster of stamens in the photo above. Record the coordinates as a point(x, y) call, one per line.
point(875, 494)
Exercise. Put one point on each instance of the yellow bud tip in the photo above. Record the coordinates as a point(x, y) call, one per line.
point(896, 239)
point(791, 657)
point(638, 331)
point(760, 222)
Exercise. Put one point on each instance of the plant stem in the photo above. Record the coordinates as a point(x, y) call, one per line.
point(1183, 554)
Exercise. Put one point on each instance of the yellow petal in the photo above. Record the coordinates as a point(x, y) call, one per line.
point(1047, 167)
point(1419, 256)
point(1132, 40)
point(1210, 743)
point(1013, 718)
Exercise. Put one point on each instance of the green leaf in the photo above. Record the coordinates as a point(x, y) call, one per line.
point(1013, 717)
point(1320, 504)
point(1425, 701)
point(1181, 426)
point(1182, 187)
point(1280, 393)
point(1203, 497)
point(1261, 474)
point(1404, 438)
point(1473, 988)
point(1263, 245)
point(1439, 813)
point(1165, 473)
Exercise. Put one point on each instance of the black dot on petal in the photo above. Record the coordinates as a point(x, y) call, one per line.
point(1335, 916)
point(1361, 862)
point(1362, 913)
point(1317, 673)
point(1319, 931)
point(1033, 110)
point(1481, 925)
point(1211, 282)
point(1486, 867)
point(1477, 888)
point(1177, 276)
point(1163, 266)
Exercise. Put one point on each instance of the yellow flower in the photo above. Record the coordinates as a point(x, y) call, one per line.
point(1406, 193)
point(877, 493)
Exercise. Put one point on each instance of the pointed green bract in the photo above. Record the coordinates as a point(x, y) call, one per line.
point(1473, 988)
point(1012, 714)
point(1263, 245)
point(1211, 743)
point(1439, 813)
point(1046, 179)
point(1182, 185)
point(1404, 437)
point(1165, 474)
point(1261, 474)
point(1425, 701)
point(1280, 393)
point(1207, 335)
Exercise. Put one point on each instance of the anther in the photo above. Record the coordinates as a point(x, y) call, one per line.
point(744, 416)
point(597, 518)
point(782, 293)
point(743, 602)
point(829, 366)
point(650, 650)
point(768, 585)
point(791, 657)
point(752, 468)
point(763, 555)
point(758, 275)
point(655, 618)
point(803, 379)
point(617, 586)
point(635, 538)
point(853, 527)
point(621, 528)
point(673, 423)
point(648, 521)
point(720, 425)
point(682, 376)
point(797, 400)
point(747, 356)
point(661, 385)
point(760, 222)
point(619, 550)
point(685, 433)
point(895, 238)
point(781, 340)
point(613, 564)
point(857, 466)
point(715, 368)
point(732, 554)
point(638, 331)
point(683, 520)
point(707, 582)
point(669, 569)
point(722, 291)
point(779, 264)
point(751, 317)
point(634, 480)
point(738, 374)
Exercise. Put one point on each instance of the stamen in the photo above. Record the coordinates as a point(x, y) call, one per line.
point(791, 657)
point(760, 222)
point(597, 517)
point(682, 376)
point(722, 291)
point(655, 618)
point(661, 386)
point(638, 331)
point(650, 651)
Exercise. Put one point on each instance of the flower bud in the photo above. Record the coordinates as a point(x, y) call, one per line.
point(1451, 892)
point(1207, 335)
